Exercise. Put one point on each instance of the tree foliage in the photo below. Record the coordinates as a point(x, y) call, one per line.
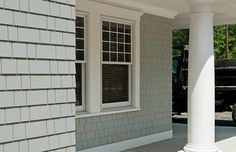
point(181, 37)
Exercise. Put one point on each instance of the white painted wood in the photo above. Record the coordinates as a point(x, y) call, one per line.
point(97, 11)
point(201, 81)
point(127, 144)
point(107, 112)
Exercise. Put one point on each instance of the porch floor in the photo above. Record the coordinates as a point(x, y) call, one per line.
point(225, 137)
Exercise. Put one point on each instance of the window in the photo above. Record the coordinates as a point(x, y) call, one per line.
point(108, 57)
point(80, 61)
point(116, 62)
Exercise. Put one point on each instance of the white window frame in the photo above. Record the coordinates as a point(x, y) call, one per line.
point(96, 10)
point(129, 64)
point(82, 108)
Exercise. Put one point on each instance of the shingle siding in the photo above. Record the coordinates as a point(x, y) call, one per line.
point(37, 55)
point(155, 114)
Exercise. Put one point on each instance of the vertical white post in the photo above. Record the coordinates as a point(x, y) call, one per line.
point(201, 81)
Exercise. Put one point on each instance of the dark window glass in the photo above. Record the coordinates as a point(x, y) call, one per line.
point(120, 37)
point(105, 56)
point(127, 29)
point(127, 48)
point(105, 36)
point(114, 27)
point(121, 28)
point(105, 25)
point(78, 89)
point(114, 37)
point(79, 55)
point(121, 57)
point(105, 46)
point(114, 47)
point(120, 47)
point(113, 57)
point(127, 39)
point(79, 44)
point(79, 21)
point(79, 33)
point(127, 58)
point(115, 83)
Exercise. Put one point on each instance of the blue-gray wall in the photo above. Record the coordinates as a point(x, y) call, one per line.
point(155, 114)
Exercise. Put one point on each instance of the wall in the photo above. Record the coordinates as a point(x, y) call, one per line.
point(37, 111)
point(156, 103)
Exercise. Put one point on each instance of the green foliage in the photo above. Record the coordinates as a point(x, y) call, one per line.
point(181, 37)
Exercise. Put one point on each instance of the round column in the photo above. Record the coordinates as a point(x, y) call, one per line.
point(201, 81)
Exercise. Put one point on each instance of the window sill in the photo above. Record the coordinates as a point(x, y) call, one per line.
point(106, 112)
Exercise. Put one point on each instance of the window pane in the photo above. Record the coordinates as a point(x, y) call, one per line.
point(120, 47)
point(117, 38)
point(121, 38)
point(127, 29)
point(114, 37)
point(80, 21)
point(115, 83)
point(114, 47)
point(79, 55)
point(127, 58)
point(78, 90)
point(121, 28)
point(114, 27)
point(105, 36)
point(105, 56)
point(105, 46)
point(121, 57)
point(127, 39)
point(113, 57)
point(127, 48)
point(79, 44)
point(79, 33)
point(105, 25)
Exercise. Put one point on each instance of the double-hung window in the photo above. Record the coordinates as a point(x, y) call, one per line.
point(112, 60)
point(116, 62)
point(80, 62)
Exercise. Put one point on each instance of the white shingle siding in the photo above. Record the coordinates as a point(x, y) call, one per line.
point(37, 54)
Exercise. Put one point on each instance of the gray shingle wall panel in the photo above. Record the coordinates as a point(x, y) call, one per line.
point(155, 93)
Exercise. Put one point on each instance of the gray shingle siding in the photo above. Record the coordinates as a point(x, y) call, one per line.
point(37, 55)
point(155, 94)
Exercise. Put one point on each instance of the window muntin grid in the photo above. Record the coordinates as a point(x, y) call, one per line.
point(80, 61)
point(80, 38)
point(116, 42)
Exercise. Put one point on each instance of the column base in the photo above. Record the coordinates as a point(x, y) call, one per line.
point(194, 148)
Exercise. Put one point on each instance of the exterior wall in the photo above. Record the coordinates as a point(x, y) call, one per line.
point(37, 53)
point(155, 114)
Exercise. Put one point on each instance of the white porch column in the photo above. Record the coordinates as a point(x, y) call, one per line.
point(201, 82)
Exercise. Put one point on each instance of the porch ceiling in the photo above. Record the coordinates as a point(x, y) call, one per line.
point(179, 10)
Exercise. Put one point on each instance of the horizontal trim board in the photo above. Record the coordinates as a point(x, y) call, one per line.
point(131, 143)
point(108, 112)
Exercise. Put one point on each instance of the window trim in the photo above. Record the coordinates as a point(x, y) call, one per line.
point(82, 108)
point(95, 11)
point(122, 104)
point(83, 79)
